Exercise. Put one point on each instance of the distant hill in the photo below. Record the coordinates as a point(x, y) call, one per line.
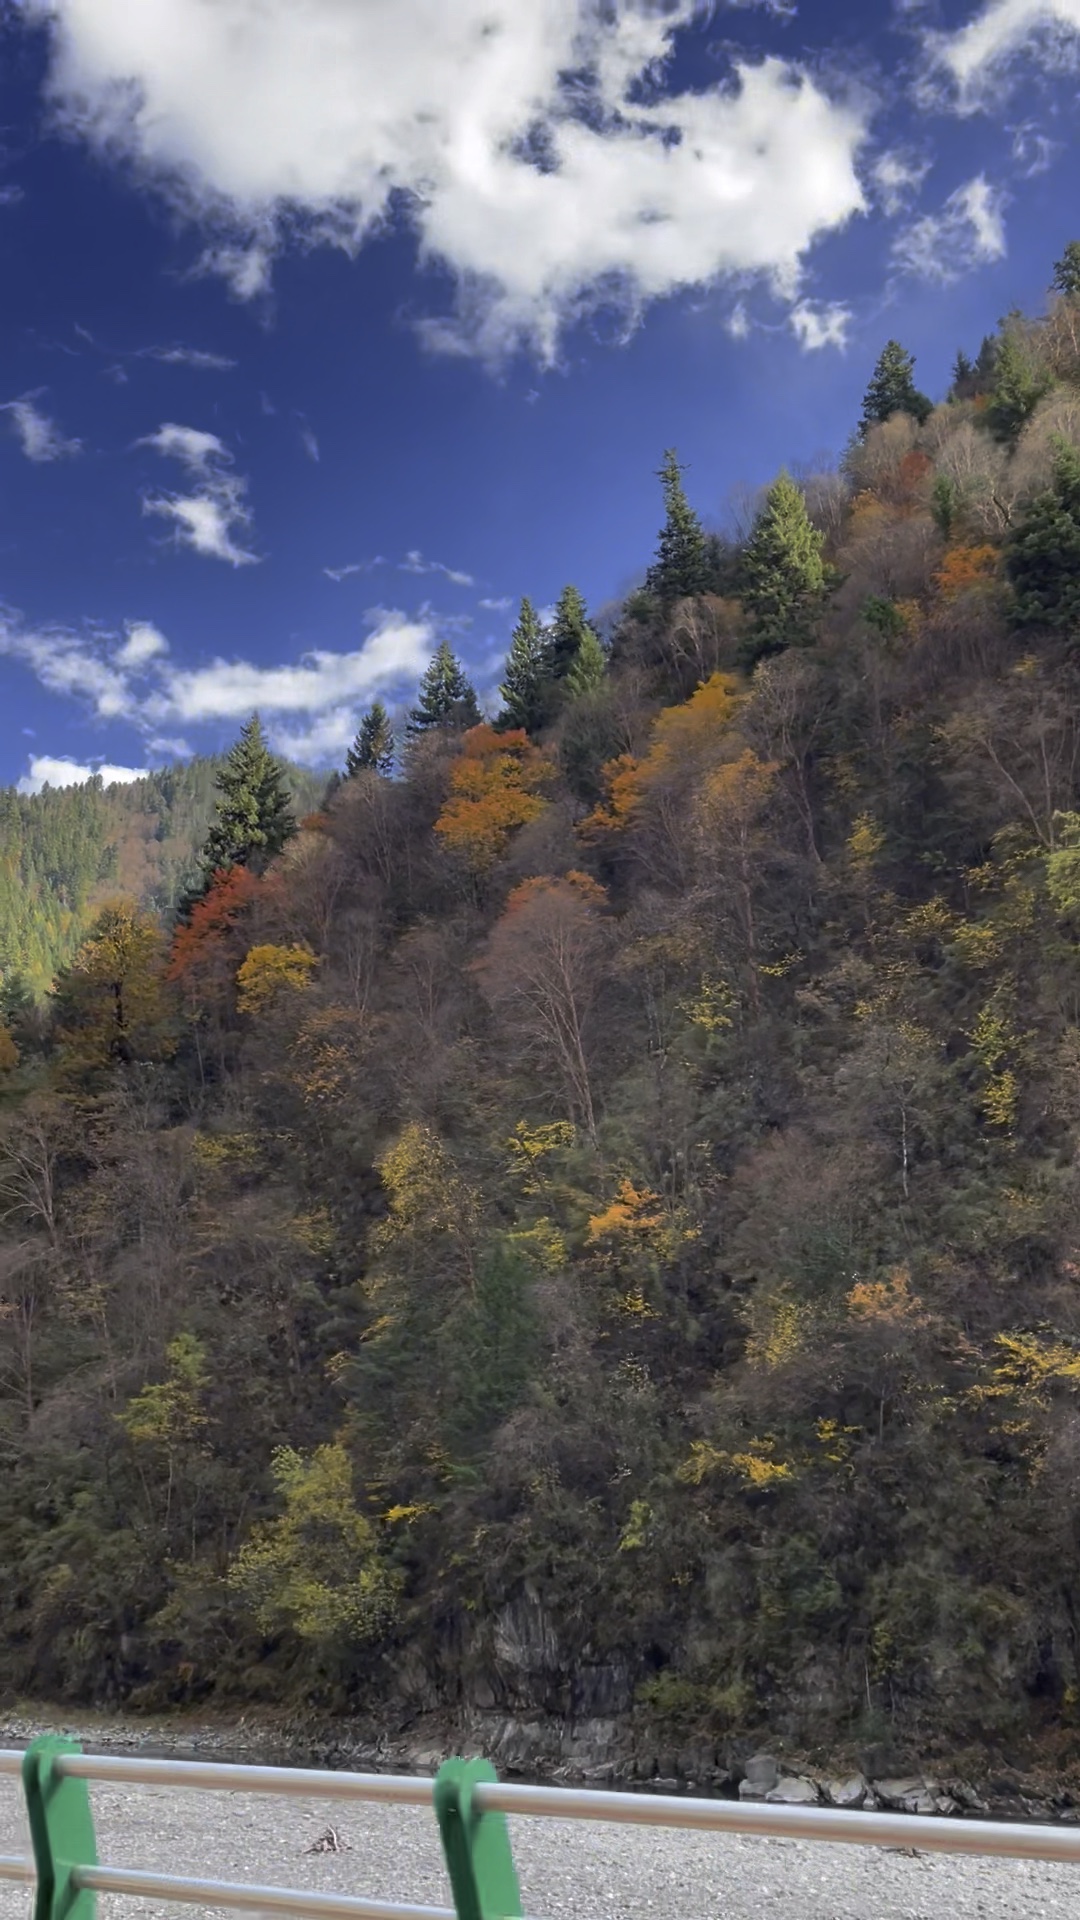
point(66, 849)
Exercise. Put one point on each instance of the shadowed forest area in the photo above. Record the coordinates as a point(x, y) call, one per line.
point(586, 1219)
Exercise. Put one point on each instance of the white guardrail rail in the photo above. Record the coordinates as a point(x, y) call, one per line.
point(470, 1805)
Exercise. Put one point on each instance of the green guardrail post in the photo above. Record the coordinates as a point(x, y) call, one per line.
point(61, 1831)
point(476, 1845)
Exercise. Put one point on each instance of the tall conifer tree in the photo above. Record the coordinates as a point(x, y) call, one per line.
point(524, 687)
point(1067, 272)
point(566, 633)
point(783, 572)
point(254, 813)
point(374, 744)
point(681, 566)
point(447, 698)
point(892, 390)
point(588, 668)
point(1042, 555)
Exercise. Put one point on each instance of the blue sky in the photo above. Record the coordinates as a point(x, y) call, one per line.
point(331, 327)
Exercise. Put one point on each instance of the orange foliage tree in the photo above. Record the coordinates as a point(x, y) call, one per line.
point(683, 738)
point(964, 568)
point(496, 786)
point(542, 972)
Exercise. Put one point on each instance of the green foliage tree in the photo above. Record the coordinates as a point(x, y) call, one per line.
point(1042, 556)
point(783, 572)
point(524, 688)
point(254, 816)
point(588, 666)
point(447, 697)
point(569, 626)
point(1019, 383)
point(892, 390)
point(1066, 278)
point(963, 384)
point(373, 748)
point(681, 566)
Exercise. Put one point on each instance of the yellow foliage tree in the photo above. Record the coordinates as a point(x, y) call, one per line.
point(680, 736)
point(113, 1003)
point(9, 1052)
point(316, 1568)
point(268, 971)
point(496, 786)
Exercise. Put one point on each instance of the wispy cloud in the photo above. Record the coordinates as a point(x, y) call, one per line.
point(180, 356)
point(414, 562)
point(897, 176)
point(40, 438)
point(207, 519)
point(817, 324)
point(11, 195)
point(1033, 151)
point(968, 231)
point(259, 121)
point(355, 566)
point(143, 643)
point(309, 443)
point(981, 60)
point(498, 606)
point(53, 770)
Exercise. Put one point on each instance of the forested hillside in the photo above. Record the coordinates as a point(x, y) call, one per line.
point(66, 850)
point(590, 1222)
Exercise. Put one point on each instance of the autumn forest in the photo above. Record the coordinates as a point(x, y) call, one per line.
point(579, 1213)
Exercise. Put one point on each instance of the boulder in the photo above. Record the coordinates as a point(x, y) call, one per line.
point(760, 1775)
point(851, 1792)
point(794, 1792)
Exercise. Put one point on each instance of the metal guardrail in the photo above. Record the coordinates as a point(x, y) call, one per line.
point(471, 1806)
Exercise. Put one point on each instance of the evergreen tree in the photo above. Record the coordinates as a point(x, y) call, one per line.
point(963, 378)
point(1019, 383)
point(681, 566)
point(892, 390)
point(1067, 272)
point(447, 697)
point(524, 687)
point(374, 744)
point(254, 816)
point(566, 633)
point(588, 668)
point(1042, 557)
point(783, 572)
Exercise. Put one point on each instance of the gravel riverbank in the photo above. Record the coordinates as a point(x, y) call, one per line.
point(569, 1870)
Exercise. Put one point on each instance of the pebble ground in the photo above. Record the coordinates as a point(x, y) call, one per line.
point(569, 1870)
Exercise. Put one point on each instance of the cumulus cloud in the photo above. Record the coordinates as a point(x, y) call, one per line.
point(57, 771)
point(816, 325)
point(208, 519)
point(320, 121)
point(307, 702)
point(39, 437)
point(980, 58)
point(968, 231)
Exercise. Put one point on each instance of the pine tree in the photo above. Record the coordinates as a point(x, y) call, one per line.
point(963, 378)
point(589, 666)
point(892, 390)
point(254, 815)
point(523, 689)
point(447, 698)
point(373, 747)
point(1067, 272)
point(1042, 557)
point(681, 566)
point(783, 572)
point(1019, 383)
point(566, 633)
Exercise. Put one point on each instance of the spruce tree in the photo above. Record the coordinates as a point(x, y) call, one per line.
point(783, 574)
point(589, 666)
point(1019, 383)
point(373, 747)
point(1042, 556)
point(1067, 272)
point(254, 815)
point(963, 378)
point(447, 698)
point(523, 690)
point(566, 633)
point(681, 566)
point(892, 390)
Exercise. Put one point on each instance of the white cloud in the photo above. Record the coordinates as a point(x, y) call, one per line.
point(738, 321)
point(980, 57)
point(39, 437)
point(498, 606)
point(414, 562)
point(207, 519)
point(49, 770)
point(355, 566)
point(817, 325)
point(10, 196)
point(67, 663)
point(968, 231)
point(545, 177)
point(143, 643)
point(309, 444)
point(179, 356)
point(397, 649)
point(898, 175)
point(1033, 152)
